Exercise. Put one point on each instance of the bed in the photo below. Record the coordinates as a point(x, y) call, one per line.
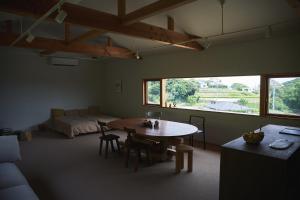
point(76, 122)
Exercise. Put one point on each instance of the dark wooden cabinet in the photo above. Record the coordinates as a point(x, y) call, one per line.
point(258, 172)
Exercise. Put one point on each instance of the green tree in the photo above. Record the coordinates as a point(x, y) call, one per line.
point(243, 102)
point(180, 89)
point(238, 86)
point(154, 91)
point(289, 93)
point(193, 99)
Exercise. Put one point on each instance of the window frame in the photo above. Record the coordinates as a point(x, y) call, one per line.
point(264, 95)
point(265, 105)
point(145, 89)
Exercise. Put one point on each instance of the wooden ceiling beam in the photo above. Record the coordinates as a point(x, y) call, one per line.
point(67, 39)
point(84, 37)
point(87, 36)
point(109, 42)
point(121, 8)
point(67, 32)
point(86, 17)
point(59, 45)
point(152, 9)
point(171, 25)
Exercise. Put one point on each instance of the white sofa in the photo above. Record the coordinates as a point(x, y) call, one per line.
point(13, 185)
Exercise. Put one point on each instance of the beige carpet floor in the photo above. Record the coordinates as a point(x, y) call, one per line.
point(69, 169)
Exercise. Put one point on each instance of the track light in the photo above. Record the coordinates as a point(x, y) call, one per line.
point(30, 38)
point(60, 17)
point(205, 43)
point(137, 55)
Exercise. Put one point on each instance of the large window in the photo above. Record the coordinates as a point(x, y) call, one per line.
point(238, 94)
point(152, 92)
point(284, 95)
point(273, 95)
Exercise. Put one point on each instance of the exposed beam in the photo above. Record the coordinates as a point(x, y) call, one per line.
point(153, 9)
point(67, 32)
point(87, 36)
point(67, 39)
point(295, 4)
point(121, 8)
point(109, 42)
point(59, 45)
point(78, 15)
point(170, 23)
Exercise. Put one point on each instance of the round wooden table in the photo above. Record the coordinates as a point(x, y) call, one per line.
point(166, 133)
point(165, 129)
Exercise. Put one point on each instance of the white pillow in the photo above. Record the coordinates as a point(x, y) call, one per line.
point(9, 149)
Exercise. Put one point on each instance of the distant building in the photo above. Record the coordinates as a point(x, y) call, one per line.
point(203, 84)
point(246, 89)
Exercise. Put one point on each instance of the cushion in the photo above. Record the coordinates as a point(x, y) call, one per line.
point(10, 176)
point(23, 192)
point(83, 112)
point(9, 149)
point(72, 113)
point(94, 110)
point(55, 113)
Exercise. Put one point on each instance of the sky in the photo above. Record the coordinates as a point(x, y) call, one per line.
point(282, 80)
point(250, 81)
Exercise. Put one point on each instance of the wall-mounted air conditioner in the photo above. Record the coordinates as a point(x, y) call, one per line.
point(64, 61)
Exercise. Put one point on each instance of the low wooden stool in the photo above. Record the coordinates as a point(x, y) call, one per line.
point(180, 150)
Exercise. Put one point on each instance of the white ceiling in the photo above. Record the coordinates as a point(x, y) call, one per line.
point(202, 17)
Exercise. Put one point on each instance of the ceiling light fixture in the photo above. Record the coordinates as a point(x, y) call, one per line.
point(30, 37)
point(61, 16)
point(205, 42)
point(137, 55)
point(38, 21)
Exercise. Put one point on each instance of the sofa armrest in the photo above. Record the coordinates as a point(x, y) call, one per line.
point(9, 149)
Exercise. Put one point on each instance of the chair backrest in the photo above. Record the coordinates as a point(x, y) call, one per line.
point(130, 133)
point(153, 114)
point(102, 124)
point(198, 121)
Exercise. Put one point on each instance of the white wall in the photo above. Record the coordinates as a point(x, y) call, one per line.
point(275, 55)
point(30, 87)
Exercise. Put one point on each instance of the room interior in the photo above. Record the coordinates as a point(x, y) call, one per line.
point(61, 56)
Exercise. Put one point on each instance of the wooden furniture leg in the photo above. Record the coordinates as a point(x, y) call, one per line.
point(100, 148)
point(112, 146)
point(127, 157)
point(180, 150)
point(178, 167)
point(106, 149)
point(118, 146)
point(190, 161)
point(137, 160)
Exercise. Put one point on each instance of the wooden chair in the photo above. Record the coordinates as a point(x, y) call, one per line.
point(108, 138)
point(180, 150)
point(138, 145)
point(153, 114)
point(199, 122)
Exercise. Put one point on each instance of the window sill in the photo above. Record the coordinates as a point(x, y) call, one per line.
point(230, 113)
point(278, 116)
point(210, 111)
